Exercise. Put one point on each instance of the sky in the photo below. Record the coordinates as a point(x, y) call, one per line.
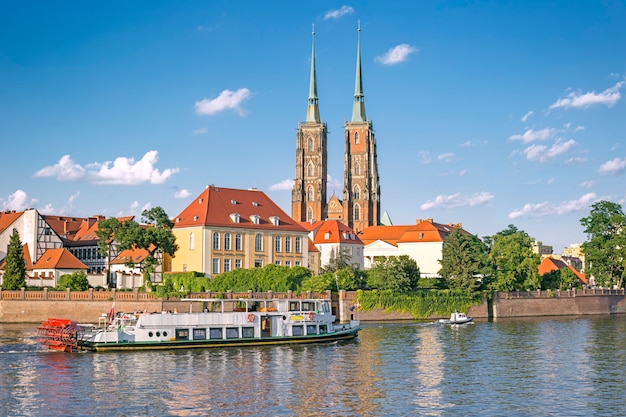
point(486, 113)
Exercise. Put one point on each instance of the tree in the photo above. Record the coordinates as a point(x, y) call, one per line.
point(605, 249)
point(514, 263)
point(396, 273)
point(76, 281)
point(464, 259)
point(154, 235)
point(337, 261)
point(15, 265)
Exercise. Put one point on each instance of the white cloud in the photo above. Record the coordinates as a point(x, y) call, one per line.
point(615, 166)
point(19, 201)
point(74, 197)
point(532, 135)
point(201, 131)
point(424, 157)
point(575, 161)
point(608, 97)
point(548, 209)
point(472, 143)
point(458, 200)
point(336, 14)
point(527, 115)
point(284, 185)
point(586, 184)
point(225, 101)
point(396, 55)
point(446, 157)
point(64, 170)
point(541, 153)
point(180, 194)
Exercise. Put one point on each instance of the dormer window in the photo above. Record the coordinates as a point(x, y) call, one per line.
point(233, 202)
point(255, 218)
point(200, 200)
point(235, 217)
point(178, 220)
point(326, 235)
point(275, 220)
point(195, 218)
point(255, 204)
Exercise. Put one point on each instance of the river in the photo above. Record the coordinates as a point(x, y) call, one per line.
point(513, 367)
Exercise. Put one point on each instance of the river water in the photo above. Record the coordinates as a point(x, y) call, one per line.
point(513, 367)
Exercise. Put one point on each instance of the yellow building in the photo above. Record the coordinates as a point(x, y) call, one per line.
point(226, 228)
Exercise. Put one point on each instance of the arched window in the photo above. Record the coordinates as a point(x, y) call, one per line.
point(238, 241)
point(310, 195)
point(357, 212)
point(357, 192)
point(192, 242)
point(216, 240)
point(258, 242)
point(356, 138)
point(309, 214)
point(310, 170)
point(310, 145)
point(357, 169)
point(226, 241)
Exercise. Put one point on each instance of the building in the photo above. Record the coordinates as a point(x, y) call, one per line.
point(360, 204)
point(542, 250)
point(225, 228)
point(550, 264)
point(333, 239)
point(422, 242)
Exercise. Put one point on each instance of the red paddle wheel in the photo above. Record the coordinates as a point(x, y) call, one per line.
point(59, 334)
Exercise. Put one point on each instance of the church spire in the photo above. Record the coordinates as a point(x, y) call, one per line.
point(313, 112)
point(358, 108)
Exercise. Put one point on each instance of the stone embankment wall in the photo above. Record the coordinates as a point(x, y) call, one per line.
point(90, 306)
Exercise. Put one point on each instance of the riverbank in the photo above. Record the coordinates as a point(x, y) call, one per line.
point(90, 306)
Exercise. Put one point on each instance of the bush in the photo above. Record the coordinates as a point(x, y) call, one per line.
point(76, 281)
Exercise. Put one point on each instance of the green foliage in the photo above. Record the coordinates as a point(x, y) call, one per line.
point(395, 273)
point(178, 285)
point(464, 260)
point(348, 279)
point(560, 279)
point(605, 248)
point(514, 263)
point(420, 304)
point(337, 261)
point(15, 266)
point(156, 238)
point(271, 277)
point(432, 283)
point(76, 281)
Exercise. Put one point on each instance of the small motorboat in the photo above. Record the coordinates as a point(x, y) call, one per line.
point(456, 318)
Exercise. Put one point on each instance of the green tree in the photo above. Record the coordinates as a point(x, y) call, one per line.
point(154, 235)
point(464, 261)
point(513, 261)
point(76, 281)
point(337, 261)
point(605, 248)
point(396, 273)
point(560, 279)
point(15, 265)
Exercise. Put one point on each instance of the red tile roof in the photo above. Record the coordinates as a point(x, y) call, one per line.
point(331, 231)
point(132, 255)
point(59, 258)
point(422, 231)
point(7, 218)
point(551, 264)
point(218, 206)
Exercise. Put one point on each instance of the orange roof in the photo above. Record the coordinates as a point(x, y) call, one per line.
point(331, 231)
point(77, 229)
point(220, 207)
point(7, 218)
point(422, 231)
point(132, 255)
point(312, 247)
point(27, 261)
point(551, 264)
point(58, 258)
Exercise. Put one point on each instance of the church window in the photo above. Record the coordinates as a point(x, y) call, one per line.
point(357, 169)
point(357, 212)
point(356, 138)
point(357, 193)
point(310, 145)
point(310, 196)
point(309, 214)
point(309, 170)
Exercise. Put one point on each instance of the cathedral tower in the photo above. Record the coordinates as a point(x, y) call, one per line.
point(361, 190)
point(308, 200)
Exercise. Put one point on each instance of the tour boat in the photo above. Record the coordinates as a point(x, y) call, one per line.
point(219, 323)
point(456, 318)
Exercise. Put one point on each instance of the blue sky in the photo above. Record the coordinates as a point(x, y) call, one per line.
point(488, 113)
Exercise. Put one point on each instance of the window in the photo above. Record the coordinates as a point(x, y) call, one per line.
point(216, 265)
point(258, 242)
point(199, 334)
point(287, 263)
point(191, 241)
point(237, 263)
point(310, 145)
point(226, 265)
point(356, 138)
point(298, 244)
point(287, 243)
point(215, 333)
point(232, 333)
point(298, 263)
point(309, 214)
point(357, 212)
point(238, 241)
point(277, 244)
point(226, 241)
point(309, 169)
point(310, 196)
point(216, 240)
point(258, 263)
point(357, 169)
point(357, 193)
point(247, 332)
point(277, 263)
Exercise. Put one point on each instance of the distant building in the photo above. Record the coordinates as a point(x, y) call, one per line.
point(575, 250)
point(332, 239)
point(226, 228)
point(550, 264)
point(542, 250)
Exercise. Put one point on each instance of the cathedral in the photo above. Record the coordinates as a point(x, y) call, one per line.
point(359, 207)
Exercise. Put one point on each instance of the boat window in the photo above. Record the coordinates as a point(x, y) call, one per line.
point(215, 333)
point(158, 334)
point(182, 334)
point(247, 332)
point(297, 330)
point(294, 306)
point(150, 334)
point(308, 306)
point(310, 329)
point(232, 333)
point(199, 334)
point(325, 307)
point(323, 329)
point(164, 334)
